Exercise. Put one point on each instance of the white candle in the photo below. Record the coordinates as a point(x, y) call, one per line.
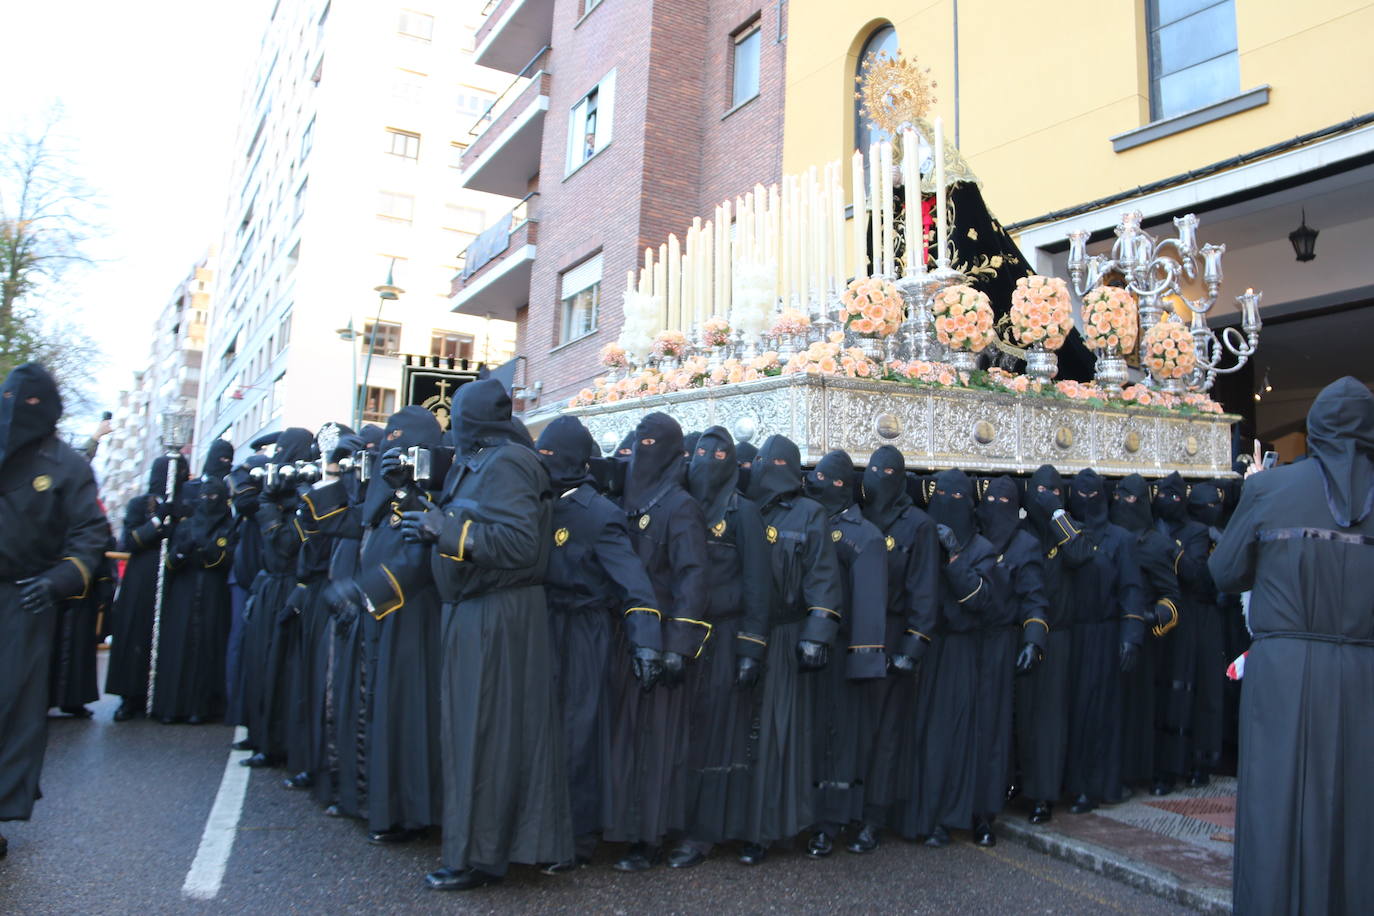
point(758, 234)
point(726, 262)
point(889, 242)
point(941, 230)
point(674, 283)
point(875, 196)
point(661, 288)
point(708, 270)
point(698, 271)
point(856, 166)
point(837, 204)
point(773, 246)
point(911, 196)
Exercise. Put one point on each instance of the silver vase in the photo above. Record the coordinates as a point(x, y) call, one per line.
point(871, 346)
point(1041, 364)
point(963, 360)
point(1110, 373)
point(1172, 386)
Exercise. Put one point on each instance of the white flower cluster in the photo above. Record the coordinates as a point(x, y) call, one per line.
point(752, 298)
point(642, 316)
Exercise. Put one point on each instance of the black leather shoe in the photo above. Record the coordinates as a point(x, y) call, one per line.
point(244, 745)
point(752, 854)
point(1198, 778)
point(301, 780)
point(866, 840)
point(453, 879)
point(394, 835)
point(1041, 813)
point(641, 857)
point(128, 710)
point(1162, 787)
point(4, 846)
point(1081, 805)
point(562, 868)
point(333, 811)
point(983, 835)
point(259, 760)
point(195, 720)
point(170, 720)
point(685, 857)
point(820, 845)
point(77, 712)
point(1013, 791)
point(938, 839)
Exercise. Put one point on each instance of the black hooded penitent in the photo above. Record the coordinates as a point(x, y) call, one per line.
point(30, 407)
point(713, 472)
point(999, 512)
point(1131, 504)
point(219, 459)
point(829, 483)
point(885, 496)
point(1088, 498)
point(952, 504)
point(776, 472)
point(565, 449)
point(653, 466)
point(1170, 501)
point(482, 417)
point(1340, 437)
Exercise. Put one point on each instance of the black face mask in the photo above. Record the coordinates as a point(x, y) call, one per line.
point(23, 423)
point(689, 446)
point(295, 444)
point(830, 483)
point(482, 416)
point(777, 471)
point(1040, 514)
point(885, 496)
point(371, 435)
point(565, 449)
point(1204, 504)
point(712, 473)
point(407, 428)
point(1088, 498)
point(218, 460)
point(745, 453)
point(952, 504)
point(1131, 504)
point(157, 475)
point(999, 511)
point(654, 467)
point(212, 509)
point(1171, 499)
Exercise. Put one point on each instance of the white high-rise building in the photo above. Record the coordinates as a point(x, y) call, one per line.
point(347, 160)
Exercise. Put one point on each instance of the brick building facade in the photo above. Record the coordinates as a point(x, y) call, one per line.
point(685, 133)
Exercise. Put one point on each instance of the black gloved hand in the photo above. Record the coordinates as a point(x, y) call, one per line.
point(163, 513)
point(674, 667)
point(1048, 501)
point(246, 504)
point(1029, 656)
point(292, 608)
point(1165, 619)
point(1130, 657)
point(948, 539)
point(812, 655)
point(344, 601)
point(422, 526)
point(747, 671)
point(647, 665)
point(898, 663)
point(392, 470)
point(37, 595)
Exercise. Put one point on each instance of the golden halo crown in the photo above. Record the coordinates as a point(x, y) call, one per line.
point(894, 91)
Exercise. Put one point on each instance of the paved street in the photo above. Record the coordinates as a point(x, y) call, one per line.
point(126, 807)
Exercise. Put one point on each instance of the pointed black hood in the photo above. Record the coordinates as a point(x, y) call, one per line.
point(831, 482)
point(219, 459)
point(1170, 500)
point(482, 417)
point(211, 509)
point(885, 496)
point(157, 475)
point(745, 453)
point(999, 511)
point(656, 466)
point(30, 407)
point(953, 504)
point(565, 449)
point(407, 428)
point(1088, 498)
point(1045, 479)
point(1340, 436)
point(295, 444)
point(1131, 504)
point(777, 471)
point(713, 473)
point(371, 435)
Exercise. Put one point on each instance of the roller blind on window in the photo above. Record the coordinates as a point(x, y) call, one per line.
point(583, 276)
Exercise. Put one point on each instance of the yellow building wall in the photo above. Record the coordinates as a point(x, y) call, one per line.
point(1045, 84)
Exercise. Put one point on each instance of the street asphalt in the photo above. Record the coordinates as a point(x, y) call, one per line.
point(126, 806)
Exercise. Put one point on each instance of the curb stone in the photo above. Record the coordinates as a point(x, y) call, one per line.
point(1114, 865)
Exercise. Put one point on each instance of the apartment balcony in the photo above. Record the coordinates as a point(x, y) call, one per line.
point(511, 32)
point(495, 279)
point(506, 141)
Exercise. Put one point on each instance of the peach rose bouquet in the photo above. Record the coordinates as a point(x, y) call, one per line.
point(872, 306)
point(963, 318)
point(670, 344)
point(789, 323)
point(715, 332)
point(1169, 350)
point(1109, 319)
point(613, 356)
point(1041, 312)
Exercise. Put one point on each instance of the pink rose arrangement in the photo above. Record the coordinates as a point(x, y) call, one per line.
point(872, 306)
point(1109, 319)
point(670, 343)
point(1080, 391)
point(1169, 350)
point(613, 356)
point(926, 373)
point(1041, 312)
point(830, 358)
point(1010, 381)
point(963, 318)
point(790, 323)
point(715, 332)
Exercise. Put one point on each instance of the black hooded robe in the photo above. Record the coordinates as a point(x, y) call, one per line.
point(505, 783)
point(73, 681)
point(243, 572)
point(1209, 642)
point(48, 494)
point(649, 731)
point(195, 617)
point(1302, 542)
point(806, 595)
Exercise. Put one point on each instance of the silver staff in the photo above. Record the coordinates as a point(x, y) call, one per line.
point(176, 432)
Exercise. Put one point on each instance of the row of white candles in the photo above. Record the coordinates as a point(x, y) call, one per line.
point(797, 227)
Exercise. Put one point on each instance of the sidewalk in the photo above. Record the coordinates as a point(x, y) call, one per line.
point(1178, 846)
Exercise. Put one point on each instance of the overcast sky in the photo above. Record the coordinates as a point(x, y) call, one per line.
point(150, 90)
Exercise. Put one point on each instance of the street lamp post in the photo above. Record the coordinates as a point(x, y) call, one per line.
point(387, 292)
